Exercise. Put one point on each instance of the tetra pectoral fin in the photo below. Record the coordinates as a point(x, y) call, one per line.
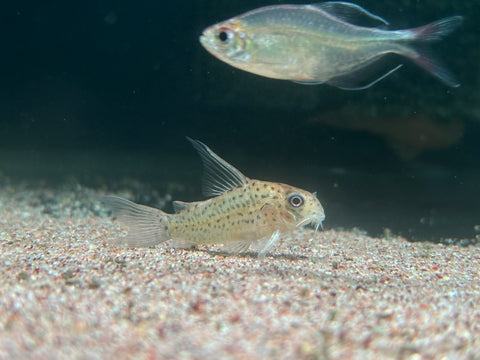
point(146, 226)
point(219, 175)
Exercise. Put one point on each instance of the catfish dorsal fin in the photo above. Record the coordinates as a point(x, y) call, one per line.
point(219, 176)
point(351, 13)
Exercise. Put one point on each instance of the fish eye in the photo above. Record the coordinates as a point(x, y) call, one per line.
point(296, 200)
point(225, 35)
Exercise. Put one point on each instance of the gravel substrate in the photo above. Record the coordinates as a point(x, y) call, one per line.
point(66, 293)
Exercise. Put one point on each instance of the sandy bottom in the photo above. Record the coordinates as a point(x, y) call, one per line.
point(66, 293)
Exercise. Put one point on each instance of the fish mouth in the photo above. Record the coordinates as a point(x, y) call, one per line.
point(207, 43)
point(203, 39)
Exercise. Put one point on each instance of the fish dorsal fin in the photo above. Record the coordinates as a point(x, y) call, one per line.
point(180, 205)
point(219, 176)
point(351, 13)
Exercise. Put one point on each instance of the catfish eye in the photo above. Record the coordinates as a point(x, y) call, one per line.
point(296, 200)
point(225, 35)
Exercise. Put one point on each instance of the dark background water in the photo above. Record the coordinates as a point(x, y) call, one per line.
point(110, 89)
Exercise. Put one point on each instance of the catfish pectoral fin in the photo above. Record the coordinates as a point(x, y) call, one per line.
point(237, 246)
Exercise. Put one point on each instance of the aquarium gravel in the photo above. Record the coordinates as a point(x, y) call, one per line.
point(66, 292)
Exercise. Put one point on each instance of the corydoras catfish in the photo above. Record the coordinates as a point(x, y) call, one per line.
point(323, 43)
point(242, 212)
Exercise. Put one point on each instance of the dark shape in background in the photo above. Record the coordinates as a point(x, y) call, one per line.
point(407, 134)
point(103, 90)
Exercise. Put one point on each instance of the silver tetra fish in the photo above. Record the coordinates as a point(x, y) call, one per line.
point(336, 42)
point(242, 212)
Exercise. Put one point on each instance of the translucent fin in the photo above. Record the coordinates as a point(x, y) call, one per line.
point(219, 175)
point(436, 30)
point(308, 83)
point(423, 57)
point(180, 205)
point(182, 244)
point(146, 226)
point(264, 245)
point(237, 246)
point(350, 81)
point(351, 13)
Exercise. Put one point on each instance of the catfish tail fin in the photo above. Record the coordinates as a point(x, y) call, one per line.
point(147, 226)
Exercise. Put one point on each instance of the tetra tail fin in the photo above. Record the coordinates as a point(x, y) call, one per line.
point(147, 226)
point(422, 57)
point(436, 30)
point(425, 59)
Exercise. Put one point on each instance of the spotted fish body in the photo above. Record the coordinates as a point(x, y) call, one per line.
point(243, 212)
point(337, 43)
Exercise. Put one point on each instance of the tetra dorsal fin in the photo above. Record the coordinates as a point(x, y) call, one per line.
point(351, 13)
point(219, 176)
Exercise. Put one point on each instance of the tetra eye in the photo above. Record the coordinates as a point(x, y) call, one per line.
point(296, 200)
point(224, 35)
